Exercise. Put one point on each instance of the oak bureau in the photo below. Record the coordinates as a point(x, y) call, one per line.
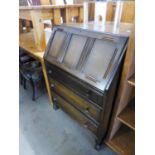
point(83, 69)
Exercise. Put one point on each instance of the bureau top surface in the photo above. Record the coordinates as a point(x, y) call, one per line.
point(124, 29)
point(91, 56)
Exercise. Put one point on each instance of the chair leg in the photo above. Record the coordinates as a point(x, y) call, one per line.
point(34, 88)
point(24, 83)
point(21, 79)
point(42, 84)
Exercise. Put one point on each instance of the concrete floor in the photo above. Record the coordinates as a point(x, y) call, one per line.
point(44, 131)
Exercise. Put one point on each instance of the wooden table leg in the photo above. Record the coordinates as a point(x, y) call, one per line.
point(39, 33)
point(20, 26)
point(46, 82)
point(67, 16)
point(28, 25)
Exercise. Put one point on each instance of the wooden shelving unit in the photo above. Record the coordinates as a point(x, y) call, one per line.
point(127, 116)
point(123, 141)
point(121, 136)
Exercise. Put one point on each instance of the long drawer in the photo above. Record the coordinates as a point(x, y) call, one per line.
point(73, 112)
point(86, 108)
point(80, 88)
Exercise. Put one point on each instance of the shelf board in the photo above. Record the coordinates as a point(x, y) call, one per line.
point(131, 80)
point(127, 116)
point(123, 141)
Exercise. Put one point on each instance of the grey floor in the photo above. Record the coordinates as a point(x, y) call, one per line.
point(44, 131)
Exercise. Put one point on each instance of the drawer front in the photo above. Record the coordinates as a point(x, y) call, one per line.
point(73, 112)
point(85, 107)
point(76, 85)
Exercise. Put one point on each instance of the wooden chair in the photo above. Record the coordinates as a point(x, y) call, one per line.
point(30, 70)
point(23, 58)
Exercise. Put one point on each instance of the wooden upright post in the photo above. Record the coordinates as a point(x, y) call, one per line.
point(38, 30)
point(80, 16)
point(28, 25)
point(67, 16)
point(20, 26)
point(56, 16)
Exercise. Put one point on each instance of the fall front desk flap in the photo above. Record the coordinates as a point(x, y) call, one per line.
point(91, 56)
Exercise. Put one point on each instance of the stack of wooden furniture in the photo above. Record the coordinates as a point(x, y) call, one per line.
point(33, 41)
point(128, 12)
point(121, 136)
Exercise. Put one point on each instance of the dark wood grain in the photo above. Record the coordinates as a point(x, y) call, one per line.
point(77, 75)
point(85, 107)
point(86, 123)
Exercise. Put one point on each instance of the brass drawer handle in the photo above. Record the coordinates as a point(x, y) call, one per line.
point(86, 110)
point(87, 94)
point(85, 125)
point(54, 98)
point(52, 85)
point(49, 71)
